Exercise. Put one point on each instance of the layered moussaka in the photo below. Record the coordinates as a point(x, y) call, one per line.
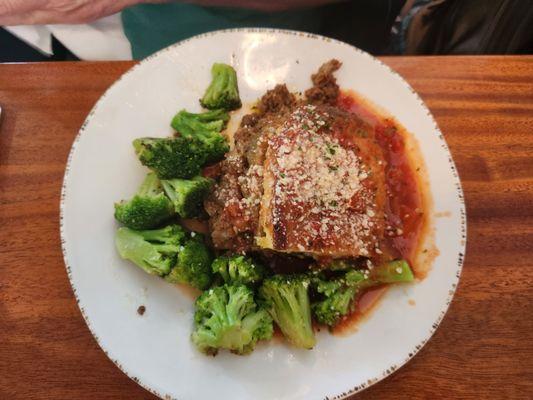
point(304, 176)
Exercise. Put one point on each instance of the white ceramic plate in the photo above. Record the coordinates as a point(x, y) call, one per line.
point(155, 349)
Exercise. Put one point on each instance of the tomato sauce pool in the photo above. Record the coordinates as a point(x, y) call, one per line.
point(404, 200)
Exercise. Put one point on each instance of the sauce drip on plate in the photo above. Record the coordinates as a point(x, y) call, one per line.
point(404, 206)
point(404, 200)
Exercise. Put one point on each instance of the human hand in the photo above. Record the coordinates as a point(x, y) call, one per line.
point(34, 12)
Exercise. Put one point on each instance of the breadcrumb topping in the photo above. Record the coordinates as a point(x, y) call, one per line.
point(318, 186)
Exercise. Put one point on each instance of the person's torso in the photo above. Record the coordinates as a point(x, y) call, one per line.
point(365, 23)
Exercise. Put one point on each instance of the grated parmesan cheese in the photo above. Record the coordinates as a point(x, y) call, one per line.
point(316, 181)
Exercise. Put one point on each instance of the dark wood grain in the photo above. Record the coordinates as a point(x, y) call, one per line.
point(484, 347)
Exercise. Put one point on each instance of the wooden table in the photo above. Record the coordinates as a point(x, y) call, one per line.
point(483, 348)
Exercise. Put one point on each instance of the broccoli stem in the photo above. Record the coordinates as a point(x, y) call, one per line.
point(287, 301)
point(151, 186)
point(131, 245)
point(392, 272)
point(223, 92)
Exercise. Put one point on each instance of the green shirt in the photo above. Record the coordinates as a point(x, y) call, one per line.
point(151, 27)
point(365, 23)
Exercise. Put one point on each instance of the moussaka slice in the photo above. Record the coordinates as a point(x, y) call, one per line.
point(323, 186)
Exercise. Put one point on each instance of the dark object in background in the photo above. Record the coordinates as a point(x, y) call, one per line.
point(363, 23)
point(472, 27)
point(442, 27)
point(12, 49)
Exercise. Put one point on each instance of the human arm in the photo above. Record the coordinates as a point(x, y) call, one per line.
point(35, 12)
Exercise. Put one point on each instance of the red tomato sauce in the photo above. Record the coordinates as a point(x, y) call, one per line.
point(404, 206)
point(404, 200)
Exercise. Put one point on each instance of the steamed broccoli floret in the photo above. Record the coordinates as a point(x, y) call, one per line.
point(148, 208)
point(223, 92)
point(193, 265)
point(333, 307)
point(187, 195)
point(170, 158)
point(337, 295)
point(287, 300)
point(238, 269)
point(152, 250)
point(204, 127)
point(190, 124)
point(227, 317)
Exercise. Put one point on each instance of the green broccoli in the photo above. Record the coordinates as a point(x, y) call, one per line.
point(148, 208)
point(227, 317)
point(238, 269)
point(223, 92)
point(187, 195)
point(206, 128)
point(152, 250)
point(193, 265)
point(170, 158)
point(392, 272)
point(287, 300)
point(337, 295)
point(190, 124)
point(329, 310)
